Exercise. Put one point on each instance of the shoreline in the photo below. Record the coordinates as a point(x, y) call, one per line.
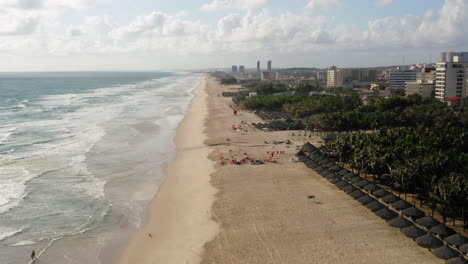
point(183, 203)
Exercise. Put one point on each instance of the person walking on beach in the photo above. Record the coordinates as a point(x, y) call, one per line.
point(33, 255)
point(235, 112)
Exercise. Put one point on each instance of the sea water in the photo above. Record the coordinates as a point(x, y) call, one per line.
point(81, 154)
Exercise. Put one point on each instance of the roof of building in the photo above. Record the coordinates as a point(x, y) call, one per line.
point(453, 99)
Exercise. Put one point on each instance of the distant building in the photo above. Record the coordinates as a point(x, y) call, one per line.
point(451, 75)
point(234, 69)
point(424, 84)
point(269, 66)
point(266, 76)
point(335, 77)
point(241, 69)
point(397, 78)
point(258, 66)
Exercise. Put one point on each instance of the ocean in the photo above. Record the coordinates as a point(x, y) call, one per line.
point(81, 155)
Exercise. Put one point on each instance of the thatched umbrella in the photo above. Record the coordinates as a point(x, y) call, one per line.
point(330, 164)
point(315, 166)
point(413, 212)
point(464, 249)
point(366, 199)
point(458, 260)
point(413, 231)
point(321, 169)
point(355, 180)
point(357, 194)
point(456, 240)
point(324, 161)
point(350, 175)
point(380, 193)
point(343, 172)
point(375, 206)
point(329, 174)
point(400, 222)
point(336, 168)
point(363, 183)
point(442, 231)
point(335, 180)
point(349, 189)
point(428, 222)
point(386, 214)
point(429, 241)
point(401, 205)
point(371, 187)
point(445, 253)
point(391, 198)
point(341, 184)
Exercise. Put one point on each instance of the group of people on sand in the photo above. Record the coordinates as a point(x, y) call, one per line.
point(233, 160)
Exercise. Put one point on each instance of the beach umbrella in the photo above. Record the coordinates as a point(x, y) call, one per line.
point(363, 183)
point(413, 231)
point(371, 187)
point(324, 161)
point(331, 175)
point(355, 180)
point(380, 193)
point(321, 169)
point(349, 189)
point(366, 199)
point(401, 205)
point(375, 206)
point(335, 180)
point(336, 168)
point(386, 214)
point(343, 172)
point(391, 198)
point(445, 253)
point(350, 175)
point(464, 249)
point(458, 260)
point(413, 212)
point(357, 194)
point(428, 222)
point(341, 184)
point(400, 222)
point(429, 241)
point(442, 230)
point(330, 164)
point(456, 240)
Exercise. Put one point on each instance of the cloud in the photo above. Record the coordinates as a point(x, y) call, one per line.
point(223, 5)
point(324, 4)
point(383, 2)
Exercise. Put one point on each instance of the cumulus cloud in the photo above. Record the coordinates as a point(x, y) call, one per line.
point(324, 4)
point(383, 2)
point(222, 5)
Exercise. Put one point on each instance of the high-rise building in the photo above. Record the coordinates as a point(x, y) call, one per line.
point(397, 78)
point(335, 77)
point(258, 66)
point(451, 75)
point(234, 69)
point(269, 66)
point(241, 69)
point(424, 84)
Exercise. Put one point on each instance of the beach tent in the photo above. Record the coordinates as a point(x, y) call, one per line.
point(355, 180)
point(350, 175)
point(458, 260)
point(429, 241)
point(386, 214)
point(413, 231)
point(380, 193)
point(391, 198)
point(400, 222)
point(366, 199)
point(343, 172)
point(401, 205)
point(442, 230)
point(321, 169)
point(330, 175)
point(349, 189)
point(335, 180)
point(464, 249)
point(341, 184)
point(456, 240)
point(336, 168)
point(428, 222)
point(331, 165)
point(375, 206)
point(445, 253)
point(357, 194)
point(363, 183)
point(371, 187)
point(413, 212)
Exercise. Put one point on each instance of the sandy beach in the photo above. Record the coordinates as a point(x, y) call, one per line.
point(207, 212)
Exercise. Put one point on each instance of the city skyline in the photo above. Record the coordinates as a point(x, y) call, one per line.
point(56, 35)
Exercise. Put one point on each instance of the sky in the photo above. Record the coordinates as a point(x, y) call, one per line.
point(147, 35)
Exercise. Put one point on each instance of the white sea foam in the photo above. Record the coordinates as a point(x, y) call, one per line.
point(6, 232)
point(12, 187)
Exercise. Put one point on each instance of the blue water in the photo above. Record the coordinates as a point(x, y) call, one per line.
point(81, 155)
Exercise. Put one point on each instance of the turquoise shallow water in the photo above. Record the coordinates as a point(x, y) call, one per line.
point(80, 156)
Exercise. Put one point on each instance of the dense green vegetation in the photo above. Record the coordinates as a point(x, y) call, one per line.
point(431, 162)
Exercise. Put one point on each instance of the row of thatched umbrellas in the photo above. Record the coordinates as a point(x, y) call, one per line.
point(428, 232)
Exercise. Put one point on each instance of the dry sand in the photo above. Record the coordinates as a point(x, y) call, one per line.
point(263, 211)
